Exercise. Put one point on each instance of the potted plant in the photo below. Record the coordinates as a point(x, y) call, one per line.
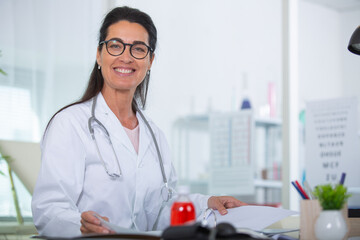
point(2, 71)
point(331, 223)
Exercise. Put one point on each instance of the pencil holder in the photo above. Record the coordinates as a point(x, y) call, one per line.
point(309, 212)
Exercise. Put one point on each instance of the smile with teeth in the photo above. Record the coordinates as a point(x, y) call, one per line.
point(123, 70)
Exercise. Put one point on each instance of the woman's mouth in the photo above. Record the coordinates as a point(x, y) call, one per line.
point(124, 70)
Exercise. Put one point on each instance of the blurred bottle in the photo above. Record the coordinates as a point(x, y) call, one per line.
point(245, 104)
point(182, 210)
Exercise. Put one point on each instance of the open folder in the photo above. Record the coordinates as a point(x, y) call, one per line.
point(250, 217)
point(248, 220)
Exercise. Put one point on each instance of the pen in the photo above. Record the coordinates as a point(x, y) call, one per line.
point(293, 183)
point(103, 223)
point(342, 180)
point(309, 190)
point(301, 189)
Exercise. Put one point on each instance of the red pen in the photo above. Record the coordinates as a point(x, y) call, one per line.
point(301, 189)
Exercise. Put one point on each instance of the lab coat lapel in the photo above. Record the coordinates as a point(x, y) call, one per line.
point(145, 138)
point(112, 124)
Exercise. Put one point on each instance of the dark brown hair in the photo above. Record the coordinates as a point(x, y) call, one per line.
point(96, 80)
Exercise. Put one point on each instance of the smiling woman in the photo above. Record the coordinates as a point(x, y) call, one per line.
point(100, 155)
point(122, 71)
point(198, 68)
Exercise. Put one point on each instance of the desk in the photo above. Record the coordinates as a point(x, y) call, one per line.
point(14, 228)
point(290, 222)
point(354, 227)
point(286, 223)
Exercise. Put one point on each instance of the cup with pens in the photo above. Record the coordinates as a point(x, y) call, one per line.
point(314, 203)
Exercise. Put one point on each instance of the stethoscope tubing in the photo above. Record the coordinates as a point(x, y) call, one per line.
point(156, 145)
point(91, 130)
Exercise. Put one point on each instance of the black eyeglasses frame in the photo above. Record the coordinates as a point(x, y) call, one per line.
point(126, 44)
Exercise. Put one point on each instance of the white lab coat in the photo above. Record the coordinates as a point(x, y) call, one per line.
point(72, 178)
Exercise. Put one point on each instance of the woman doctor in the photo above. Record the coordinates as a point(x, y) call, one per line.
point(100, 156)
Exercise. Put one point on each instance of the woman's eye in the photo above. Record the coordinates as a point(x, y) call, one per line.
point(115, 46)
point(139, 49)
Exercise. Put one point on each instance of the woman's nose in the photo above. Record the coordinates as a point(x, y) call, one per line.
point(126, 55)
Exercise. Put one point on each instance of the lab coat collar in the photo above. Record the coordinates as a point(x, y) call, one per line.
point(112, 124)
point(117, 131)
point(145, 138)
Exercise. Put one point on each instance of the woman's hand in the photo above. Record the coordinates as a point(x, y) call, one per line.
point(90, 223)
point(224, 202)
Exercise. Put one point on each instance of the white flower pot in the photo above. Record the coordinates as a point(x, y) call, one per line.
point(330, 225)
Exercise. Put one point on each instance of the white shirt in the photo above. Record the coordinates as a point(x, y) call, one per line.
point(72, 178)
point(133, 135)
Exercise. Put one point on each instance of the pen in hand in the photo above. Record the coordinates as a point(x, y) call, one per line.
point(103, 222)
point(91, 222)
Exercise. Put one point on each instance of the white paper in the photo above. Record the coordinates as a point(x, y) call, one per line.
point(122, 230)
point(252, 217)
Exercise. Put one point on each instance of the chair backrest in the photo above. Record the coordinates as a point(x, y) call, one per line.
point(25, 160)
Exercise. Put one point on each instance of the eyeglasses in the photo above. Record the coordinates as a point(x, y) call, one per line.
point(116, 47)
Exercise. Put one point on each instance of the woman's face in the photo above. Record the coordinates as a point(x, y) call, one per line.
point(124, 73)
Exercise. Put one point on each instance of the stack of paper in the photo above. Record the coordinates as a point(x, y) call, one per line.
point(253, 217)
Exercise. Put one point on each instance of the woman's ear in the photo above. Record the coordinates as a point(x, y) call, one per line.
point(151, 59)
point(98, 57)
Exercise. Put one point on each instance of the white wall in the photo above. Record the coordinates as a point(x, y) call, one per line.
point(326, 68)
point(320, 62)
point(350, 20)
point(205, 48)
point(48, 48)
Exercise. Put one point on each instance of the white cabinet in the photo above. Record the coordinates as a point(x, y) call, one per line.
point(244, 162)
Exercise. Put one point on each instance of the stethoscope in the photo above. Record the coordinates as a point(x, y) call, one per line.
point(166, 191)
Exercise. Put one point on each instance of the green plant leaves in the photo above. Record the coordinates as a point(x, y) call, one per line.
point(2, 71)
point(331, 198)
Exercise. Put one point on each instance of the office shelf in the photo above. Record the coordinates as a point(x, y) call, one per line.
point(191, 130)
point(264, 183)
point(354, 190)
point(201, 121)
point(268, 122)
